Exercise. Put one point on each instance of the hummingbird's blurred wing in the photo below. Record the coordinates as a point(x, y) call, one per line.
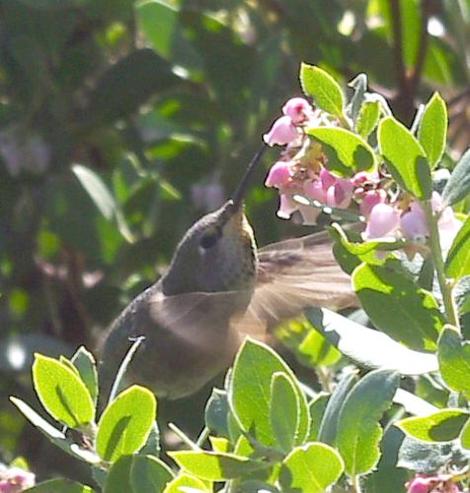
point(198, 319)
point(293, 275)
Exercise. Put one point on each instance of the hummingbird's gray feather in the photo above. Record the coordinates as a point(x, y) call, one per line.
point(189, 339)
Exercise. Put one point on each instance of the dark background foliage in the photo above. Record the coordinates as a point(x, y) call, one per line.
point(122, 122)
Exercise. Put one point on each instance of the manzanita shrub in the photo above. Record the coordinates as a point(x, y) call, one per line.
point(389, 410)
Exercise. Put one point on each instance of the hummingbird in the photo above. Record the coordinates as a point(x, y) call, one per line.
point(219, 287)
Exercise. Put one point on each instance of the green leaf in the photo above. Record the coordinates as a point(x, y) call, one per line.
point(432, 133)
point(359, 84)
point(215, 466)
point(442, 426)
point(85, 363)
point(368, 118)
point(149, 474)
point(62, 392)
point(220, 444)
point(53, 434)
point(317, 410)
point(329, 422)
point(325, 91)
point(458, 259)
point(311, 468)
point(118, 479)
point(465, 435)
point(59, 486)
point(310, 347)
point(161, 24)
point(454, 361)
point(369, 347)
point(128, 84)
point(405, 158)
point(347, 152)
point(97, 190)
point(458, 186)
point(250, 391)
point(284, 411)
point(359, 432)
point(126, 423)
point(216, 413)
point(411, 314)
point(185, 482)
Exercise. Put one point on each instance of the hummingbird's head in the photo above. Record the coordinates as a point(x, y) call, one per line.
point(218, 253)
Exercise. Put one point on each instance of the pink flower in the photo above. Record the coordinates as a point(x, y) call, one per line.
point(15, 480)
point(413, 224)
point(370, 199)
point(298, 110)
point(287, 206)
point(421, 484)
point(279, 175)
point(340, 194)
point(383, 221)
point(363, 177)
point(314, 190)
point(282, 132)
point(327, 179)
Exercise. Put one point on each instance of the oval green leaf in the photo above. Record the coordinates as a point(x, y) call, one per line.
point(118, 479)
point(311, 468)
point(359, 432)
point(149, 474)
point(405, 158)
point(432, 132)
point(454, 361)
point(317, 409)
point(465, 436)
point(368, 347)
point(458, 186)
point(324, 90)
point(250, 391)
point(284, 411)
point(85, 364)
point(215, 466)
point(126, 423)
point(347, 152)
point(397, 306)
point(191, 483)
point(442, 426)
point(62, 393)
point(368, 118)
point(458, 259)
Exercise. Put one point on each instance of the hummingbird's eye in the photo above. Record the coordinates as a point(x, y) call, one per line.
point(209, 239)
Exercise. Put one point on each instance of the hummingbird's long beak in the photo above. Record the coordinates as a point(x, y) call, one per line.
point(240, 192)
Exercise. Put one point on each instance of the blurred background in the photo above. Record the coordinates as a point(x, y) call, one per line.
point(122, 122)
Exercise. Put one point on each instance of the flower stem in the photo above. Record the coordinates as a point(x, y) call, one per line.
point(445, 285)
point(356, 483)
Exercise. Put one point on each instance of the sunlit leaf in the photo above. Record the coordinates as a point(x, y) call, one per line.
point(126, 423)
point(62, 392)
point(442, 426)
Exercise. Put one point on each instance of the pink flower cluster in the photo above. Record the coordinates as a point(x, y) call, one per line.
point(15, 480)
point(432, 484)
point(287, 129)
point(301, 170)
